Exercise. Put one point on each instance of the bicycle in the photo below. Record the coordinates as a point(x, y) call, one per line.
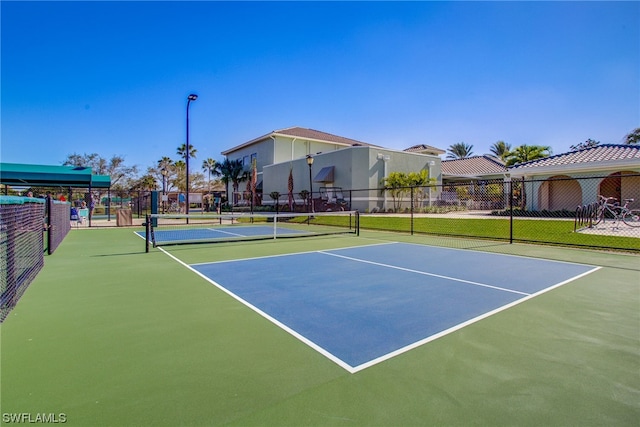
point(608, 207)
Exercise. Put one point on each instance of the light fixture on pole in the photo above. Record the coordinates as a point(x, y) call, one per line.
point(190, 98)
point(310, 163)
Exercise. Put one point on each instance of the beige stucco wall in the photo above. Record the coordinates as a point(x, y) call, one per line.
point(263, 150)
point(559, 193)
point(356, 170)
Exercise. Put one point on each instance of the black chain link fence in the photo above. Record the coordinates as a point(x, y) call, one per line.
point(559, 210)
point(21, 247)
point(58, 223)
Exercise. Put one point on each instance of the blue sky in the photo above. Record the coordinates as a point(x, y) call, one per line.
point(113, 77)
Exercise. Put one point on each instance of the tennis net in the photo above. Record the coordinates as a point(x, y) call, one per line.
point(167, 229)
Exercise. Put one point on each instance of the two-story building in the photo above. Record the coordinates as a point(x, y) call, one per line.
point(295, 159)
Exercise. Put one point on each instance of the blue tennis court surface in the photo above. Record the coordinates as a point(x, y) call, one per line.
point(361, 305)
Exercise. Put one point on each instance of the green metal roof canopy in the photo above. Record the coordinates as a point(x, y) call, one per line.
point(51, 176)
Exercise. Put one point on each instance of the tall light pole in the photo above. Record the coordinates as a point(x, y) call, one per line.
point(190, 98)
point(310, 163)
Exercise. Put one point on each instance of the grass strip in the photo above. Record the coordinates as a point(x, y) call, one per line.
point(527, 230)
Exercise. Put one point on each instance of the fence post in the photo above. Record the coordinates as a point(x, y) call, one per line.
point(510, 212)
point(147, 227)
point(412, 210)
point(49, 224)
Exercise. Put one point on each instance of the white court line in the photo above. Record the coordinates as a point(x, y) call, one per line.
point(484, 285)
point(358, 368)
point(226, 232)
point(273, 320)
point(498, 253)
point(284, 255)
point(466, 323)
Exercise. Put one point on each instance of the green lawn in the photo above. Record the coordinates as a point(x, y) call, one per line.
point(110, 335)
point(524, 230)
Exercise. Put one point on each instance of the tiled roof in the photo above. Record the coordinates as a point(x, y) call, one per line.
point(473, 166)
point(421, 148)
point(599, 153)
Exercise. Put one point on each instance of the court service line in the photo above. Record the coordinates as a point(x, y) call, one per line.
point(227, 232)
point(283, 255)
point(484, 285)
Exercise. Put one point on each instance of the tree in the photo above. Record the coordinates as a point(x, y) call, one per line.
point(401, 184)
point(395, 183)
point(114, 167)
point(275, 195)
point(231, 171)
point(164, 164)
point(419, 180)
point(211, 167)
point(632, 137)
point(526, 153)
point(122, 176)
point(587, 144)
point(146, 182)
point(179, 180)
point(501, 150)
point(304, 195)
point(181, 151)
point(459, 151)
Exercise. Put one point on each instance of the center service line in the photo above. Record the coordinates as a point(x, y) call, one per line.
point(425, 273)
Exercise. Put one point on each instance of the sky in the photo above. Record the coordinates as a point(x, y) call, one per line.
point(112, 78)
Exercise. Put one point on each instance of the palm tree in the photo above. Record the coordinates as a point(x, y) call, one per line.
point(182, 152)
point(164, 169)
point(231, 171)
point(526, 153)
point(183, 149)
point(632, 137)
point(211, 167)
point(459, 151)
point(501, 150)
point(165, 163)
point(304, 195)
point(179, 167)
point(275, 195)
point(147, 182)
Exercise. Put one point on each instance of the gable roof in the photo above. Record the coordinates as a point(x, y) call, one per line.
point(593, 157)
point(424, 149)
point(474, 166)
point(318, 136)
point(304, 133)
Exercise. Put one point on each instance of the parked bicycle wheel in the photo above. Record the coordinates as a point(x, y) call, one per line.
point(632, 218)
